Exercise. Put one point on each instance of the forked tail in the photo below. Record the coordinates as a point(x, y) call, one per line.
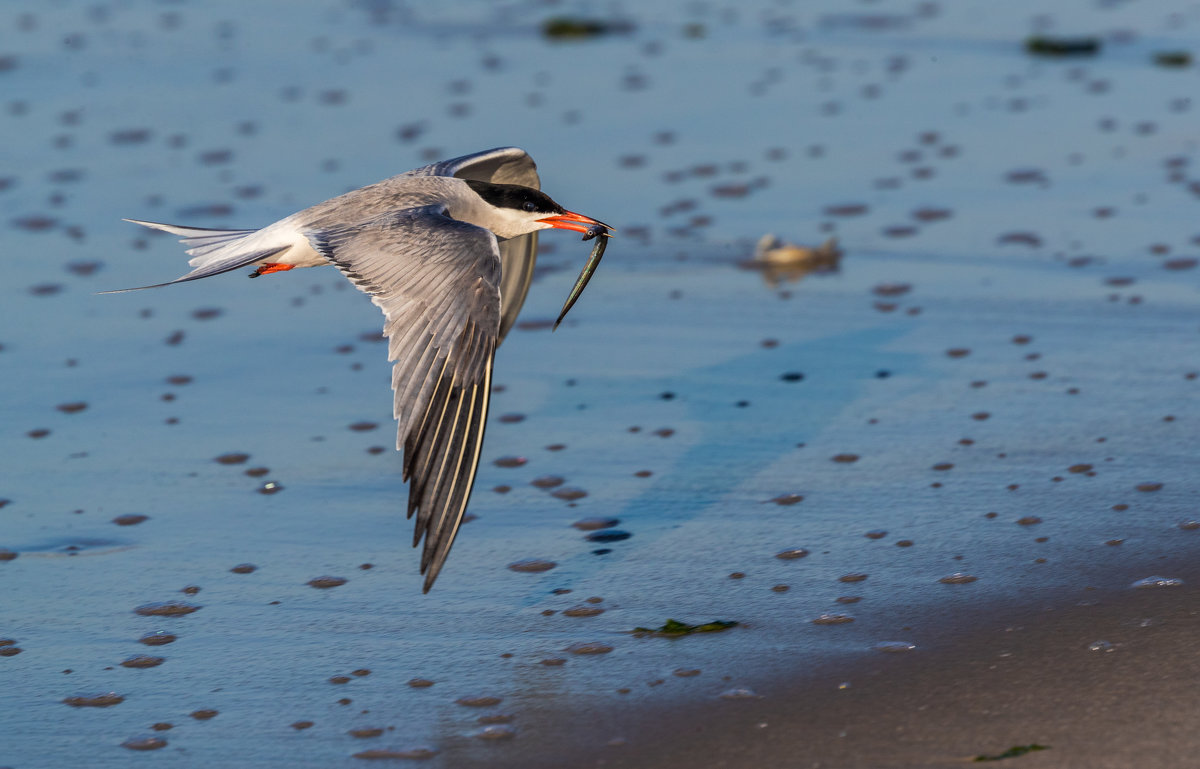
point(213, 251)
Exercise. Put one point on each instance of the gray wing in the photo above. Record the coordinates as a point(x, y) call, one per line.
point(436, 280)
point(502, 165)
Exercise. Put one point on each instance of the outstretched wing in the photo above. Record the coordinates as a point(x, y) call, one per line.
point(503, 165)
point(437, 281)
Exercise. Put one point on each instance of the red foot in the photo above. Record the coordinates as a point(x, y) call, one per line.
point(269, 267)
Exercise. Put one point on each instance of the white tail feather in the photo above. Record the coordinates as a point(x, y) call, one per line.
point(200, 241)
point(215, 251)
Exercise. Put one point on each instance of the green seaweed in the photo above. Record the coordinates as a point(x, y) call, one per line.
point(1013, 752)
point(1040, 45)
point(1173, 59)
point(674, 627)
point(568, 28)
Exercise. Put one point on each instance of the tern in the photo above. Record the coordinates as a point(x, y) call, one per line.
point(447, 252)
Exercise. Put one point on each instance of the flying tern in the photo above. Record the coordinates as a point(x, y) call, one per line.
point(447, 252)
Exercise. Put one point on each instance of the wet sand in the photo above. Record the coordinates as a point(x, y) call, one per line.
point(1107, 681)
point(906, 472)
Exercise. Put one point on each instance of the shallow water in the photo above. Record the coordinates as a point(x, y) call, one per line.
point(999, 382)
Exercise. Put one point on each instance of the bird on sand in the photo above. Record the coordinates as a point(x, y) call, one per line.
point(447, 252)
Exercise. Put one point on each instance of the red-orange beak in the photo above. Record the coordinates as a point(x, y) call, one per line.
point(570, 220)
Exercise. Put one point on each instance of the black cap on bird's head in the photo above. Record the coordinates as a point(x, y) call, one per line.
point(534, 205)
point(516, 197)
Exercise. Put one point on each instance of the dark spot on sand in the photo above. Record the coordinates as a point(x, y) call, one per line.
point(35, 223)
point(496, 718)
point(846, 209)
point(583, 610)
point(608, 535)
point(532, 565)
point(479, 702)
point(144, 743)
point(142, 661)
point(892, 289)
point(594, 524)
point(166, 609)
point(102, 700)
point(589, 647)
point(368, 733)
point(1020, 238)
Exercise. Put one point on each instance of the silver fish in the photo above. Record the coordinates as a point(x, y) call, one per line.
point(601, 233)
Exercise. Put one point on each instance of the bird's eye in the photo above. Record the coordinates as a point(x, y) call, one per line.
point(530, 206)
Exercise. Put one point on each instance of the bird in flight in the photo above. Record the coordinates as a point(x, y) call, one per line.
point(447, 252)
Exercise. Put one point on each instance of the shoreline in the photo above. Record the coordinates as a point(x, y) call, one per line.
point(1002, 677)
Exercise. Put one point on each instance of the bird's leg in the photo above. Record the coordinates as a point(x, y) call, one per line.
point(269, 267)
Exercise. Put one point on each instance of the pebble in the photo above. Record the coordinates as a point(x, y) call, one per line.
point(144, 743)
point(166, 609)
point(479, 702)
point(532, 565)
point(102, 700)
point(326, 582)
point(594, 524)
